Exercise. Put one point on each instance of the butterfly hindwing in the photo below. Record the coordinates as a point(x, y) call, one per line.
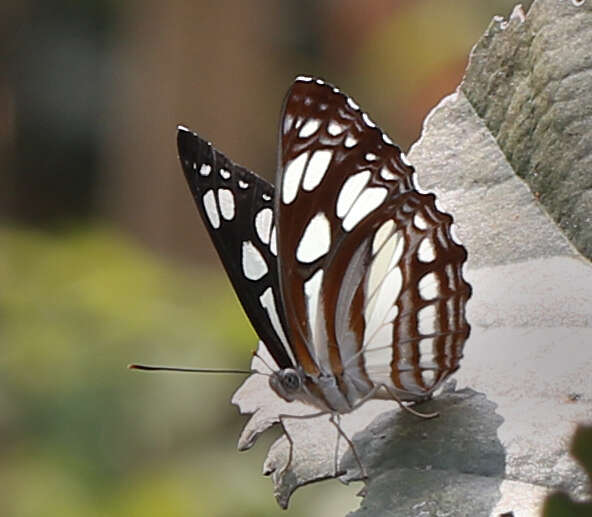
point(358, 248)
point(236, 206)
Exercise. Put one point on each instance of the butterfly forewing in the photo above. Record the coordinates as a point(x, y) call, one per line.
point(236, 206)
point(370, 277)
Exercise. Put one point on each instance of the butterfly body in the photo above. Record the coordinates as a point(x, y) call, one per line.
point(349, 273)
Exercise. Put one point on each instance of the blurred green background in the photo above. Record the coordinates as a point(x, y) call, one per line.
point(103, 260)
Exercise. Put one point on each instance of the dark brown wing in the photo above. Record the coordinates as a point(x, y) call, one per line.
point(358, 244)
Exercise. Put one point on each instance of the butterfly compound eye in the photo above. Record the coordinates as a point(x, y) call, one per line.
point(290, 380)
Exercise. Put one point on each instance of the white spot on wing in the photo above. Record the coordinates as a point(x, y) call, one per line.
point(386, 139)
point(309, 128)
point(370, 157)
point(263, 221)
point(334, 129)
point(382, 235)
point(425, 251)
point(205, 169)
point(420, 222)
point(386, 174)
point(350, 141)
point(224, 173)
point(312, 290)
point(243, 184)
point(367, 201)
point(350, 191)
point(369, 122)
point(426, 347)
point(292, 176)
point(428, 377)
point(209, 203)
point(304, 78)
point(426, 320)
point(316, 169)
point(266, 197)
point(428, 286)
point(254, 266)
point(392, 313)
point(273, 242)
point(316, 240)
point(384, 282)
point(267, 300)
point(226, 201)
point(352, 104)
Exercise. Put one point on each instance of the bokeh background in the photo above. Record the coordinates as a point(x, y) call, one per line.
point(103, 259)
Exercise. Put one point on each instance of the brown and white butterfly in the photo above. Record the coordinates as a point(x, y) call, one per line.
point(349, 274)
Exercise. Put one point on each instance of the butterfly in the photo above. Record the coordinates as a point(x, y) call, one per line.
point(349, 273)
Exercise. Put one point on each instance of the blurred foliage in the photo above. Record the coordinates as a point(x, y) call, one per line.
point(82, 435)
point(560, 504)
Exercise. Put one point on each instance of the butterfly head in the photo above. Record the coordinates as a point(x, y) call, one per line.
point(287, 383)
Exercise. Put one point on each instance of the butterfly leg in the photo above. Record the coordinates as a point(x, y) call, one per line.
point(290, 441)
point(341, 432)
point(281, 419)
point(407, 408)
point(336, 453)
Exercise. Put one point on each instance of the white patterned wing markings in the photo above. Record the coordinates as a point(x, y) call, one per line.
point(428, 286)
point(427, 353)
point(292, 177)
point(316, 240)
point(386, 174)
point(226, 202)
point(273, 241)
point(263, 223)
point(317, 342)
point(335, 128)
point(253, 263)
point(426, 251)
point(268, 302)
point(368, 201)
point(350, 191)
point(350, 142)
point(309, 128)
point(384, 284)
point(211, 209)
point(316, 169)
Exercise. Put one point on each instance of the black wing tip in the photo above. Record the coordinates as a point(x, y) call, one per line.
point(190, 145)
point(184, 136)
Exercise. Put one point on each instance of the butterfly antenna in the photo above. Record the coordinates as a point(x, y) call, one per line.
point(256, 354)
point(152, 368)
